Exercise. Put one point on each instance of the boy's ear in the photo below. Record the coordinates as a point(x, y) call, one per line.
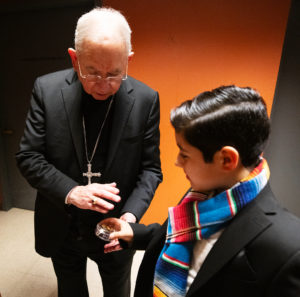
point(230, 158)
point(73, 56)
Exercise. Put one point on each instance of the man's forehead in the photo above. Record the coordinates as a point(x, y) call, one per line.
point(103, 48)
point(103, 43)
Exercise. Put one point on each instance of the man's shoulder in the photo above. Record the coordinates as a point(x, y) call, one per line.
point(139, 86)
point(57, 77)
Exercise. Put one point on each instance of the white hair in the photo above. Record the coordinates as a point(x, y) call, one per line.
point(101, 22)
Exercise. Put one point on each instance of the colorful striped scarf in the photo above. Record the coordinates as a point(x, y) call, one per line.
point(195, 218)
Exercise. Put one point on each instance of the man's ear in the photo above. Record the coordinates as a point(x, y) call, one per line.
point(73, 57)
point(230, 158)
point(130, 56)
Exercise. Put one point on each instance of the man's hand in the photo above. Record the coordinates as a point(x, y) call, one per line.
point(128, 217)
point(122, 231)
point(94, 197)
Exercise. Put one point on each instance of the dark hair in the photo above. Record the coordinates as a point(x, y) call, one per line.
point(227, 115)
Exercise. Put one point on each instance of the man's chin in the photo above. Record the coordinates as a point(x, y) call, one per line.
point(100, 96)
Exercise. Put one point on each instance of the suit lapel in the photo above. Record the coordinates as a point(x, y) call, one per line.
point(250, 222)
point(123, 105)
point(72, 101)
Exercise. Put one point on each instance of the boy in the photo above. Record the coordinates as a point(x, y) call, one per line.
point(228, 236)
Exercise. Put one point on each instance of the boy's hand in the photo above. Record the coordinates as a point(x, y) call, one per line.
point(122, 231)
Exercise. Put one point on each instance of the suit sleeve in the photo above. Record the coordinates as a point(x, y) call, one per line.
point(142, 235)
point(150, 175)
point(31, 157)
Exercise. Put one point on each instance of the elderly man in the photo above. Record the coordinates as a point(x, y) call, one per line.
point(91, 149)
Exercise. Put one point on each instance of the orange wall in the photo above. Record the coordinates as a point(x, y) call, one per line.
point(185, 47)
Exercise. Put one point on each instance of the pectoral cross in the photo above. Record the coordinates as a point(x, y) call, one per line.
point(89, 174)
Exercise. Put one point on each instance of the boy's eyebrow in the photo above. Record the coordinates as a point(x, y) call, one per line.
point(181, 148)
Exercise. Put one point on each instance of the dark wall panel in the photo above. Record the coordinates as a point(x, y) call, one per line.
point(35, 36)
point(283, 152)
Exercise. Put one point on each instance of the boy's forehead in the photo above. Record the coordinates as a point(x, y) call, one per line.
point(177, 138)
point(180, 140)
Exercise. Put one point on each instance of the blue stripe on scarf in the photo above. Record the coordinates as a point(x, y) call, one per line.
point(174, 279)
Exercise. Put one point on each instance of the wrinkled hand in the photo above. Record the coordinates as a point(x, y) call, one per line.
point(94, 197)
point(128, 217)
point(122, 231)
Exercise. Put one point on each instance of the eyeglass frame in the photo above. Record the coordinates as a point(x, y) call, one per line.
point(97, 78)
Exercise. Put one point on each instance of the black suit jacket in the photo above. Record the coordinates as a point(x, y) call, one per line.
point(52, 159)
point(258, 254)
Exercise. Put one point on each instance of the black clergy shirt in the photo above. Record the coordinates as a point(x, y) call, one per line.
point(94, 112)
point(83, 222)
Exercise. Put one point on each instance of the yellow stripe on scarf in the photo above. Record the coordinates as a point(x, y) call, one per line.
point(158, 293)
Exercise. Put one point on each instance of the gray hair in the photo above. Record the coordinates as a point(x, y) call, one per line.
point(99, 21)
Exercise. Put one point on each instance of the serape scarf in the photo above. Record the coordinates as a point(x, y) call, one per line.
point(194, 219)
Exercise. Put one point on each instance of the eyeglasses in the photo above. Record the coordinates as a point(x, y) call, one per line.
point(110, 79)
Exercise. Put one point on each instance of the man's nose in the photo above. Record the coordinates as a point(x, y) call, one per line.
point(102, 84)
point(102, 80)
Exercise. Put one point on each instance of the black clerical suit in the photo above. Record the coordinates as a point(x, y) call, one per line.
point(258, 254)
point(52, 158)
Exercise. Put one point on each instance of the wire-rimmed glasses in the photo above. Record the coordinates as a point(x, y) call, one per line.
point(110, 79)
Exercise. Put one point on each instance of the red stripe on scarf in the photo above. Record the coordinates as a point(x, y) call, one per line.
point(230, 203)
point(176, 260)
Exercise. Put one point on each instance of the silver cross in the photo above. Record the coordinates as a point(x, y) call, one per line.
point(89, 174)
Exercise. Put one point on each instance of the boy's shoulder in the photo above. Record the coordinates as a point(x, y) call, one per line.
point(280, 235)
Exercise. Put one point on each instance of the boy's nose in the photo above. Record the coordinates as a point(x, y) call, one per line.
point(177, 162)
